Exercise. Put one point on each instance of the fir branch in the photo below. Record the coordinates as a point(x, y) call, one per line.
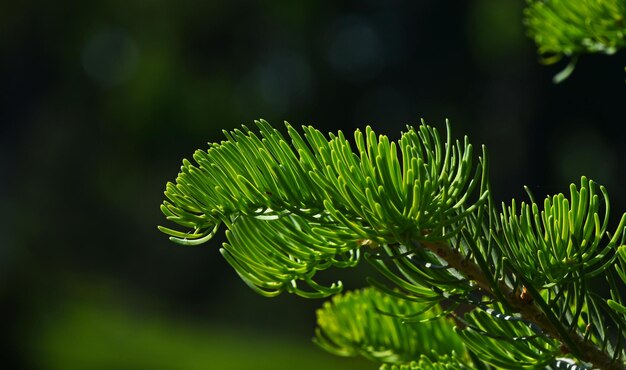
point(444, 362)
point(273, 198)
point(530, 309)
point(369, 323)
point(565, 28)
point(425, 218)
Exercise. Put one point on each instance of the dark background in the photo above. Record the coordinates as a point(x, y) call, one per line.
point(100, 101)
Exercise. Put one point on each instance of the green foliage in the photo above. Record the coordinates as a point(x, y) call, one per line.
point(369, 323)
point(507, 344)
point(570, 28)
point(563, 239)
point(471, 287)
point(616, 303)
point(445, 362)
point(273, 198)
point(102, 334)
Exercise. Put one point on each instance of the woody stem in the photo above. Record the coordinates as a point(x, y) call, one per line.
point(528, 309)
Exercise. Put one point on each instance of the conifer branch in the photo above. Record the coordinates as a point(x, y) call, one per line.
point(422, 215)
point(566, 28)
point(526, 305)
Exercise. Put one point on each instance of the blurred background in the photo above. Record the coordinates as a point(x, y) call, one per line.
point(100, 101)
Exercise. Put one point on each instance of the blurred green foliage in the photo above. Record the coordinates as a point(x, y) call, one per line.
point(563, 28)
point(385, 328)
point(495, 31)
point(89, 336)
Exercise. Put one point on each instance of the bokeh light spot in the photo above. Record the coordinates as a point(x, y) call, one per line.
point(110, 56)
point(355, 49)
point(283, 78)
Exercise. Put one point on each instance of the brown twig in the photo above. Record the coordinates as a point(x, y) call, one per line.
point(526, 306)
